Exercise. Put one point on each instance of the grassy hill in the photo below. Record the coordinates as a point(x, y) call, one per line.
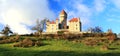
point(58, 48)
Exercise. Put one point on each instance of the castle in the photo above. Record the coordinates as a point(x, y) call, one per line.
point(74, 24)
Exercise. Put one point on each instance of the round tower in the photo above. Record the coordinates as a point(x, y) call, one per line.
point(63, 19)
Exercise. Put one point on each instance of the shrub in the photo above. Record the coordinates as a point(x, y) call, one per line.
point(48, 38)
point(4, 37)
point(117, 42)
point(111, 36)
point(60, 32)
point(17, 37)
point(2, 42)
point(57, 37)
point(76, 41)
point(9, 40)
point(91, 41)
point(17, 45)
point(98, 34)
point(27, 42)
point(104, 48)
point(36, 34)
point(38, 43)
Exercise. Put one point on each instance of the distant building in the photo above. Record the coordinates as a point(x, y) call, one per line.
point(118, 36)
point(74, 25)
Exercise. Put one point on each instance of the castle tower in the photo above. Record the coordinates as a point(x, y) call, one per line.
point(63, 19)
point(75, 25)
point(80, 24)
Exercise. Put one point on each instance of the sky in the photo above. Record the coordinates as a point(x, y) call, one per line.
point(21, 15)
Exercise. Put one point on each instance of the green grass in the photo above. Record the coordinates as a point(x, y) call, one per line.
point(58, 48)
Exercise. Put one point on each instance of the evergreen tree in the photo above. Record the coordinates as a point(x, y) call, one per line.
point(6, 31)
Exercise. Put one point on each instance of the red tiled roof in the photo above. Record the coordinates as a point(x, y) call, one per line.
point(74, 20)
point(52, 22)
point(62, 12)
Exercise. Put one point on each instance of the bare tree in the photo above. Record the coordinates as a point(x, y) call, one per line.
point(90, 30)
point(39, 27)
point(6, 31)
point(111, 36)
point(96, 29)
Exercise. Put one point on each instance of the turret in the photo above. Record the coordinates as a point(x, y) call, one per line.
point(63, 16)
point(63, 19)
point(80, 24)
point(57, 20)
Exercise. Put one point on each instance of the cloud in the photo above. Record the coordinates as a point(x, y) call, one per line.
point(85, 12)
point(80, 10)
point(19, 14)
point(116, 3)
point(113, 20)
point(99, 5)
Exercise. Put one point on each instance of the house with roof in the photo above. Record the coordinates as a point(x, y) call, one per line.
point(73, 25)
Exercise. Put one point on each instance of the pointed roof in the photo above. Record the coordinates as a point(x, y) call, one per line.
point(52, 22)
point(63, 12)
point(74, 20)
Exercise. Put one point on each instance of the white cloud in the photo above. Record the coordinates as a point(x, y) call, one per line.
point(99, 5)
point(116, 3)
point(113, 20)
point(14, 18)
point(19, 13)
point(82, 11)
point(85, 12)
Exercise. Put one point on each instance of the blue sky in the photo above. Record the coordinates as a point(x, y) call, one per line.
point(20, 15)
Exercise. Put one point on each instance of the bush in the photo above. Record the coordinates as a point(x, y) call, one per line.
point(9, 40)
point(57, 36)
point(17, 45)
point(117, 42)
point(104, 48)
point(27, 42)
point(90, 41)
point(4, 37)
point(111, 37)
point(76, 41)
point(48, 38)
point(38, 43)
point(60, 32)
point(98, 34)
